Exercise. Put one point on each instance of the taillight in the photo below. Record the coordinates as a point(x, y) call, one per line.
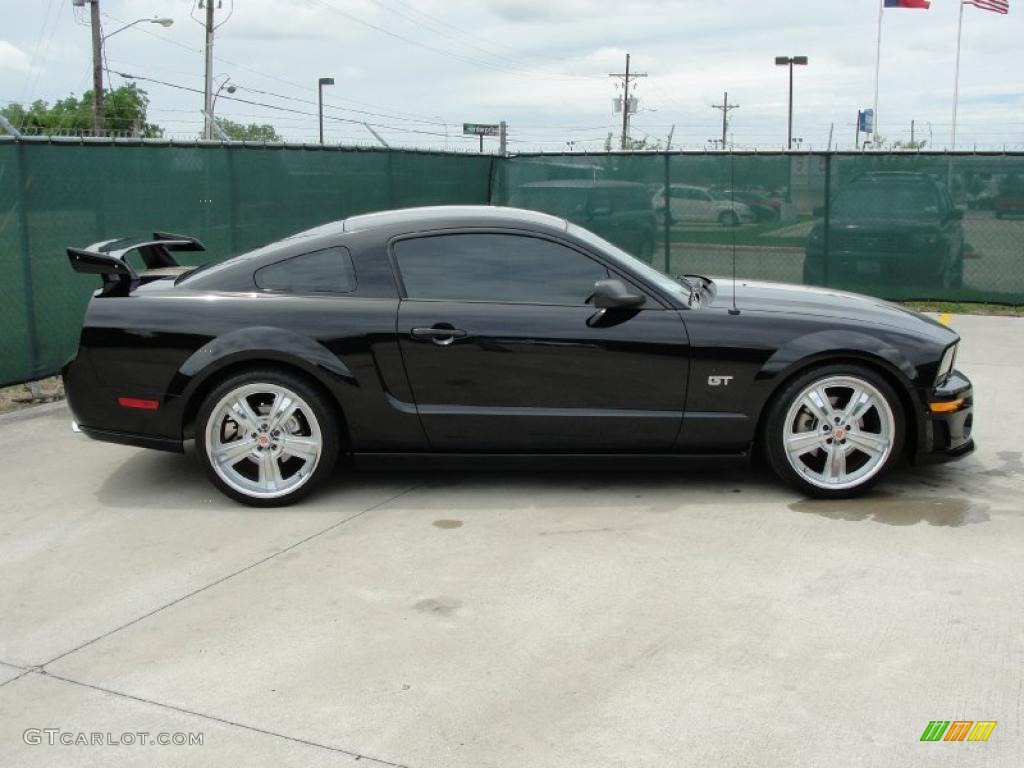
point(138, 402)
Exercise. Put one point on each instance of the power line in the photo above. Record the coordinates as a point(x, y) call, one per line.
point(432, 25)
point(434, 49)
point(475, 36)
point(278, 107)
point(258, 73)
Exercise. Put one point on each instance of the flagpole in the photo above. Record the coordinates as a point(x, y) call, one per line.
point(956, 76)
point(878, 67)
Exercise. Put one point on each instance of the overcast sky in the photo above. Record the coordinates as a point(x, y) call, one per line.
point(420, 68)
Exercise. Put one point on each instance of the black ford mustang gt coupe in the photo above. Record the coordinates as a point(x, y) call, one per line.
point(486, 330)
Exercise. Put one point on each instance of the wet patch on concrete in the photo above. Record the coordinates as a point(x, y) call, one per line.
point(1013, 466)
point(950, 512)
point(441, 606)
point(447, 524)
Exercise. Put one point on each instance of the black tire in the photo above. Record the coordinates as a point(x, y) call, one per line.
point(775, 431)
point(646, 251)
point(729, 219)
point(321, 415)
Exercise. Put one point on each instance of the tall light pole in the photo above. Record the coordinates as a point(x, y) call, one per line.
point(211, 116)
point(790, 61)
point(320, 102)
point(98, 38)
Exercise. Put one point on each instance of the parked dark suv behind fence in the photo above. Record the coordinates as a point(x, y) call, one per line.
point(619, 211)
point(886, 230)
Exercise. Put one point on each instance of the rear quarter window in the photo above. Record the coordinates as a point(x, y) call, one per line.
point(326, 271)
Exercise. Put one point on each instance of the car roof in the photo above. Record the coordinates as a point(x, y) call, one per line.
point(902, 176)
point(445, 216)
point(582, 184)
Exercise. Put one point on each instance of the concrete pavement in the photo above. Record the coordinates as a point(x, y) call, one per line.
point(582, 619)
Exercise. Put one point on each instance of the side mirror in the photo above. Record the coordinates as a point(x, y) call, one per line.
point(613, 294)
point(956, 214)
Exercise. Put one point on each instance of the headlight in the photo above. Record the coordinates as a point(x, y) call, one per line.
point(922, 242)
point(948, 361)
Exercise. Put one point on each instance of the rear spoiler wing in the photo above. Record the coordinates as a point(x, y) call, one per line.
point(107, 259)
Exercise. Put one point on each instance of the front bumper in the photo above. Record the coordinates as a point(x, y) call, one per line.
point(947, 431)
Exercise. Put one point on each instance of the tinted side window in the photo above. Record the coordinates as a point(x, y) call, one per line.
point(496, 268)
point(327, 271)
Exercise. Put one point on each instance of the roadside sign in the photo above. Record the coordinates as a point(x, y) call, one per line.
point(480, 129)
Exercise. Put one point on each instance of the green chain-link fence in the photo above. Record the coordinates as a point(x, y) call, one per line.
point(899, 226)
point(233, 198)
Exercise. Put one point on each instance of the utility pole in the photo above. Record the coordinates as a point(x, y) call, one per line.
point(502, 138)
point(912, 133)
point(98, 108)
point(726, 107)
point(626, 76)
point(208, 88)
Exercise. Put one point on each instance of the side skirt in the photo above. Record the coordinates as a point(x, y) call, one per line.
point(547, 461)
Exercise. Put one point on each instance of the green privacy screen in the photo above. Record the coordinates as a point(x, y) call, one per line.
point(233, 198)
point(898, 226)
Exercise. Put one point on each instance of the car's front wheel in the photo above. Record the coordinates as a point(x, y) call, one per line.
point(833, 431)
point(729, 219)
point(266, 438)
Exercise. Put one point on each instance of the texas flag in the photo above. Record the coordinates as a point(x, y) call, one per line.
point(925, 4)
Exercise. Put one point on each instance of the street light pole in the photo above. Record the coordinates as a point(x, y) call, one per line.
point(783, 61)
point(320, 102)
point(99, 120)
point(211, 115)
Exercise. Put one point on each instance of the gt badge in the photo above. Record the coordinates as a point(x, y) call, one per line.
point(719, 381)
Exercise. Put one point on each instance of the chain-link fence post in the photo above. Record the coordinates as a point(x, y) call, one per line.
point(668, 214)
point(827, 219)
point(233, 193)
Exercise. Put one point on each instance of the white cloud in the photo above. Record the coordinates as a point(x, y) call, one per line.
point(542, 65)
point(13, 59)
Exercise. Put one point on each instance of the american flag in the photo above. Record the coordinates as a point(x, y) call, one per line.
point(996, 6)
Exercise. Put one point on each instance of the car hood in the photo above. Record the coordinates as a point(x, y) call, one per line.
point(884, 224)
point(763, 296)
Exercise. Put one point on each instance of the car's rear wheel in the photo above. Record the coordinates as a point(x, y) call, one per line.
point(266, 438)
point(729, 219)
point(834, 431)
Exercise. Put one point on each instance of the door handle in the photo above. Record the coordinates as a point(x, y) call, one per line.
point(440, 334)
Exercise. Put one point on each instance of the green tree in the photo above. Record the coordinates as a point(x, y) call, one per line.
point(124, 108)
point(910, 144)
point(635, 145)
point(250, 132)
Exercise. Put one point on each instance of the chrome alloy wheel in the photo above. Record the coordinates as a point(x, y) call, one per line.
point(263, 440)
point(838, 432)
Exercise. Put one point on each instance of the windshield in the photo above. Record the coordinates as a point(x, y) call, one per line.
point(887, 201)
point(632, 264)
point(558, 201)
